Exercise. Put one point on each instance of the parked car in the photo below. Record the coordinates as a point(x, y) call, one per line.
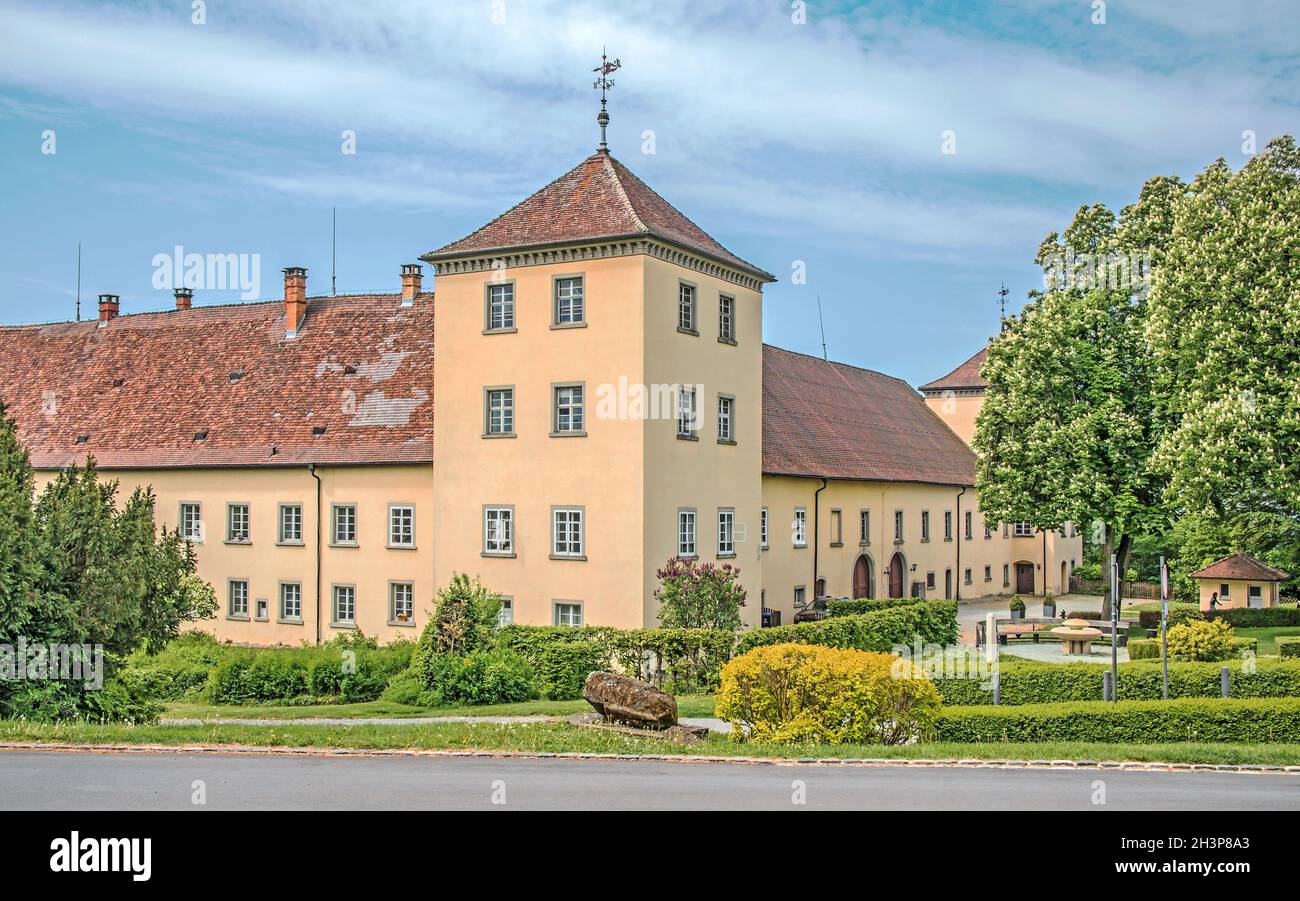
point(818, 609)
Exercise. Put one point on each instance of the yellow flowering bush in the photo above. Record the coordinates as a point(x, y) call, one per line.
point(798, 693)
point(1201, 640)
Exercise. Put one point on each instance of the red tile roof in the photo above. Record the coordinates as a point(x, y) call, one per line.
point(1241, 566)
point(965, 376)
point(838, 421)
point(140, 389)
point(598, 199)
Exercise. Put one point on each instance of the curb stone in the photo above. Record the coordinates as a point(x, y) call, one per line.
point(861, 762)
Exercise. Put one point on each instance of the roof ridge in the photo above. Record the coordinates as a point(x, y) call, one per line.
point(617, 169)
point(800, 353)
point(494, 220)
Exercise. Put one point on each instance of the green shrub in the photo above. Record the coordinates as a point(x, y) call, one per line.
point(1288, 646)
point(464, 618)
point(483, 677)
point(1200, 640)
point(933, 622)
point(1142, 648)
point(804, 693)
point(1146, 722)
point(1179, 616)
point(1017, 603)
point(179, 670)
point(530, 642)
point(867, 605)
point(564, 667)
point(682, 661)
point(51, 701)
point(350, 668)
point(1258, 617)
point(1031, 682)
point(699, 595)
point(403, 689)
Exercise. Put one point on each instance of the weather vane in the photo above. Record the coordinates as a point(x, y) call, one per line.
point(1003, 295)
point(606, 68)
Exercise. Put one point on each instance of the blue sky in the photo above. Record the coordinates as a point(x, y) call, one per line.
point(818, 142)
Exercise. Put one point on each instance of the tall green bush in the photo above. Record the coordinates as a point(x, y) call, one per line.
point(933, 622)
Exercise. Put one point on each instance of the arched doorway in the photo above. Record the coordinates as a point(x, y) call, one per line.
point(947, 585)
point(1024, 578)
point(864, 578)
point(1064, 587)
point(897, 575)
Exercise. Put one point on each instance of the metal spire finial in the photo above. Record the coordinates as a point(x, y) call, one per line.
point(1003, 295)
point(604, 82)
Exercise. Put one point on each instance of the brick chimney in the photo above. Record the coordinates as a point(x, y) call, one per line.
point(295, 299)
point(184, 298)
point(412, 275)
point(109, 304)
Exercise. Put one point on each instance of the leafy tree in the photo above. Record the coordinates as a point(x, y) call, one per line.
point(1066, 432)
point(1223, 328)
point(699, 595)
point(19, 604)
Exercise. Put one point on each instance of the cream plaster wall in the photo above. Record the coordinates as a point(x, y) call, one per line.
point(1238, 593)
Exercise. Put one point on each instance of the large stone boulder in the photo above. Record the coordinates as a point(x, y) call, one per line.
point(630, 701)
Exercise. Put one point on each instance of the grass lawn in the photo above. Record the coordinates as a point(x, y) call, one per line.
point(687, 706)
point(1267, 636)
point(561, 737)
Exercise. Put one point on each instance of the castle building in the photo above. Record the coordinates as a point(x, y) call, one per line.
point(585, 396)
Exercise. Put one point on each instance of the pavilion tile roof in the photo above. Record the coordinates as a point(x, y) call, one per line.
point(1243, 567)
point(598, 199)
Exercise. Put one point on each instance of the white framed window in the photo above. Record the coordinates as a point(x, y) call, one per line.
point(507, 614)
point(343, 524)
point(988, 574)
point(237, 523)
point(864, 527)
point(925, 525)
point(762, 528)
point(345, 605)
point(898, 526)
point(261, 614)
point(568, 613)
point(191, 519)
point(237, 598)
point(800, 528)
point(569, 300)
point(291, 601)
point(566, 532)
point(726, 418)
point(947, 525)
point(401, 525)
point(500, 307)
point(727, 319)
point(570, 414)
point(686, 411)
point(499, 416)
point(291, 524)
point(685, 533)
point(970, 526)
point(401, 603)
point(686, 307)
point(1023, 530)
point(800, 596)
point(726, 532)
point(1006, 573)
point(499, 531)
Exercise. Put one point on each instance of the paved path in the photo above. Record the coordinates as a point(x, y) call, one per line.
point(708, 722)
point(59, 780)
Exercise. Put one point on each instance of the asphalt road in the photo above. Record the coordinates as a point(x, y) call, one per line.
point(63, 780)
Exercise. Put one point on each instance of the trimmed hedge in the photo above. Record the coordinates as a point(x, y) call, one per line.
point(1044, 683)
point(1288, 646)
point(564, 666)
point(1149, 648)
point(934, 622)
point(1258, 617)
point(338, 671)
point(1145, 722)
point(683, 660)
point(867, 605)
